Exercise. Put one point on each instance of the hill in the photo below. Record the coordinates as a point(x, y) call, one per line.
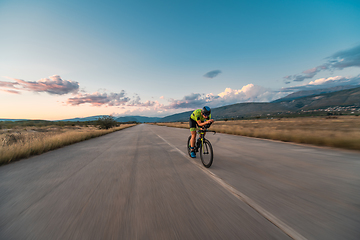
point(336, 99)
point(119, 119)
point(91, 118)
point(315, 92)
point(95, 118)
point(179, 117)
point(137, 119)
point(343, 98)
point(13, 120)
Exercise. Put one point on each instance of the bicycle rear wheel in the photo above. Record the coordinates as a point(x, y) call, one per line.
point(206, 153)
point(189, 146)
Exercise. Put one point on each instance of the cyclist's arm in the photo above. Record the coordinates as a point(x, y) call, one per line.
point(202, 124)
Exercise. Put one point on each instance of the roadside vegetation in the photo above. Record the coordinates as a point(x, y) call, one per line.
point(27, 138)
point(332, 131)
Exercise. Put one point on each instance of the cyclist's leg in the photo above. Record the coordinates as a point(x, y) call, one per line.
point(192, 124)
point(193, 138)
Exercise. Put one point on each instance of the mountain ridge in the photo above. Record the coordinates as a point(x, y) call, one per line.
point(342, 98)
point(306, 93)
point(291, 103)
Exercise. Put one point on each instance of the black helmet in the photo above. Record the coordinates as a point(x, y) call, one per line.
point(206, 111)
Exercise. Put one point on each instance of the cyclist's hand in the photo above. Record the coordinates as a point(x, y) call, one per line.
point(210, 121)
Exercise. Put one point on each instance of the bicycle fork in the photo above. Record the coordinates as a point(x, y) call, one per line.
point(200, 143)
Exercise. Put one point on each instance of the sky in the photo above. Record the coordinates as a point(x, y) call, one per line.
point(67, 59)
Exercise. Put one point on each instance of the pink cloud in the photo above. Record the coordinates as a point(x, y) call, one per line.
point(11, 91)
point(8, 84)
point(52, 85)
point(99, 99)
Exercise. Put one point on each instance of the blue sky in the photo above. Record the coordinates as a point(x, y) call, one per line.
point(64, 59)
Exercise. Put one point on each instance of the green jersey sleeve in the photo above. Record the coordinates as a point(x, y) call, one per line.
point(196, 116)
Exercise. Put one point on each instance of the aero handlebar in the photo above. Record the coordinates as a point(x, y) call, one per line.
point(205, 130)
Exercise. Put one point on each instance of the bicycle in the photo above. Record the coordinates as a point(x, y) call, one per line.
point(204, 145)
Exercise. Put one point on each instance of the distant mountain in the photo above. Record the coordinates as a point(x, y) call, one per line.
point(94, 118)
point(306, 93)
point(179, 117)
point(7, 119)
point(91, 118)
point(233, 111)
point(119, 119)
point(349, 97)
point(137, 119)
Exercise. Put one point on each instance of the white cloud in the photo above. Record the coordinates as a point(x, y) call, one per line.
point(322, 83)
point(248, 93)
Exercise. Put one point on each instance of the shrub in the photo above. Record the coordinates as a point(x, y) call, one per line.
point(106, 122)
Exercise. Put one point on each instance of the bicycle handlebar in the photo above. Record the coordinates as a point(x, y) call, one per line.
point(205, 130)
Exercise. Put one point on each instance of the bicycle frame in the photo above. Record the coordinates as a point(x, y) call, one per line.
point(202, 137)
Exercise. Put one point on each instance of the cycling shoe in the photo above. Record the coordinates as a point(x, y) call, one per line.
point(193, 154)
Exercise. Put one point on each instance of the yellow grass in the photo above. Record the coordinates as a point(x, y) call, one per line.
point(16, 144)
point(341, 132)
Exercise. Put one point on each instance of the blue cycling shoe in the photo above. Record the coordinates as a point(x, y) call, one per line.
point(193, 154)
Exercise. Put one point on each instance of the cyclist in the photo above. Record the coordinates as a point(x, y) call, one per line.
point(201, 118)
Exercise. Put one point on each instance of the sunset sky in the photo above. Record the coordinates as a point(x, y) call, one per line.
point(67, 59)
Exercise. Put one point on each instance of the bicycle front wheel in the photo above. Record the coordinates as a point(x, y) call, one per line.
point(206, 153)
point(189, 146)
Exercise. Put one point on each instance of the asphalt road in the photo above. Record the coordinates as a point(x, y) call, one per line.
point(138, 183)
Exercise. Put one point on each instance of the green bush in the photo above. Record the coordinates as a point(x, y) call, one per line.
point(106, 122)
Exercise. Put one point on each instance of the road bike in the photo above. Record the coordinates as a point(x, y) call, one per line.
point(203, 146)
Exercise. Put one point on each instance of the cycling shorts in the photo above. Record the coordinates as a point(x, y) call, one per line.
point(192, 125)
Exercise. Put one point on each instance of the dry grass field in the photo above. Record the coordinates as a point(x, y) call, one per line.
point(340, 131)
point(23, 142)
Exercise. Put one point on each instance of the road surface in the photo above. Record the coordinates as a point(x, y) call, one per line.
point(139, 183)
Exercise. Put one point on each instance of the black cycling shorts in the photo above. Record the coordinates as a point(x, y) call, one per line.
point(192, 124)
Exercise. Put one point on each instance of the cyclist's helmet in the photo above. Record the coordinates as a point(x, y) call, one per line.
point(206, 111)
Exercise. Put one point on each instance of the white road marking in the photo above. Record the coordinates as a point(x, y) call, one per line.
point(239, 195)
